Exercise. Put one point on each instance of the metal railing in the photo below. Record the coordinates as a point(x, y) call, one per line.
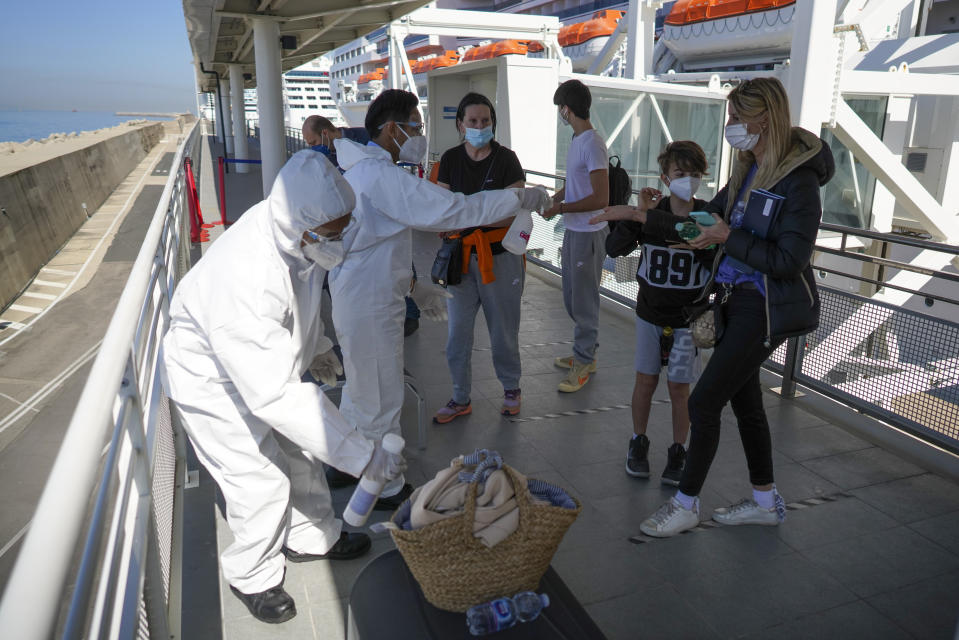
point(873, 352)
point(102, 556)
point(897, 364)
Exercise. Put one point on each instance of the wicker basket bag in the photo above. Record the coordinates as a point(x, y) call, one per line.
point(456, 570)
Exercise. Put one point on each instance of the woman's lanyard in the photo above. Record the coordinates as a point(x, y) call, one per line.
point(746, 183)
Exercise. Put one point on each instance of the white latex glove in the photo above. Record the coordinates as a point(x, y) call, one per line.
point(326, 367)
point(431, 300)
point(533, 198)
point(384, 466)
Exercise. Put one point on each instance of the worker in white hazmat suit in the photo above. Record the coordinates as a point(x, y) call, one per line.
point(244, 327)
point(367, 289)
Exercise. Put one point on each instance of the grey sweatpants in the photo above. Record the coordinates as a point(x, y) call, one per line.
point(582, 256)
point(500, 300)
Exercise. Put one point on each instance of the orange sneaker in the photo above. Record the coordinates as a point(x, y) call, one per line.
point(511, 402)
point(452, 411)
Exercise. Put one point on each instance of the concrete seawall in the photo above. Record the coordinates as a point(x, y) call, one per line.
point(42, 202)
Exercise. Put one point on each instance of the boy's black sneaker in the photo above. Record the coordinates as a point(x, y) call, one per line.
point(637, 464)
point(675, 461)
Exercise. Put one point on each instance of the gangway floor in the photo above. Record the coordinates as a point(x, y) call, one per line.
point(870, 545)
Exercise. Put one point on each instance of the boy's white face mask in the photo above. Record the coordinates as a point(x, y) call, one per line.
point(684, 188)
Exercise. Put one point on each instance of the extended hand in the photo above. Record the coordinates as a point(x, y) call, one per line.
point(533, 198)
point(650, 197)
point(431, 300)
point(326, 367)
point(619, 212)
point(384, 466)
point(713, 234)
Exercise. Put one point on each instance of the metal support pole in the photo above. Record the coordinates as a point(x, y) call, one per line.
point(269, 99)
point(219, 104)
point(641, 23)
point(240, 146)
point(227, 115)
point(788, 388)
point(814, 49)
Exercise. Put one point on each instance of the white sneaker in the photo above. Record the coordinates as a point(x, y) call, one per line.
point(670, 519)
point(747, 511)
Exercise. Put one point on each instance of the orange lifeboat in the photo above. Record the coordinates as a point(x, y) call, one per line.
point(583, 41)
point(535, 47)
point(692, 11)
point(739, 32)
point(377, 74)
point(448, 59)
point(496, 49)
point(425, 50)
point(415, 53)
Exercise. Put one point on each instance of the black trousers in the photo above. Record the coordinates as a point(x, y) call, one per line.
point(732, 376)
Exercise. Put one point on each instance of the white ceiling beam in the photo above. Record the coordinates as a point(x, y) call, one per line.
point(898, 83)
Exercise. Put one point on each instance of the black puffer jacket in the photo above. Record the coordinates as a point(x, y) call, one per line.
point(792, 301)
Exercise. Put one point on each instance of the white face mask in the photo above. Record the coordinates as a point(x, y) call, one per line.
point(739, 138)
point(324, 253)
point(414, 149)
point(684, 188)
point(565, 117)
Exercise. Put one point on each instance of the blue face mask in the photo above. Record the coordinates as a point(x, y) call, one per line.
point(479, 137)
point(322, 148)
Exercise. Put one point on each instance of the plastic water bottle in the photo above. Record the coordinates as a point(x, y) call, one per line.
point(504, 613)
point(367, 491)
point(517, 236)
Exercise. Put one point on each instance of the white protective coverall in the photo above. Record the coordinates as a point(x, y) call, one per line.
point(244, 326)
point(368, 287)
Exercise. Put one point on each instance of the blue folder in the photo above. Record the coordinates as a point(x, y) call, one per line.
point(762, 208)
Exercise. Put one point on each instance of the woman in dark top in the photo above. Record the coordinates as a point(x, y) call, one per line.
point(492, 277)
point(768, 293)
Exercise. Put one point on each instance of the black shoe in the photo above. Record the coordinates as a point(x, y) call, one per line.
point(410, 325)
point(337, 479)
point(393, 502)
point(349, 546)
point(637, 464)
point(675, 461)
point(273, 605)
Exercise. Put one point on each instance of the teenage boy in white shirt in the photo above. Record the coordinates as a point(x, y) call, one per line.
point(585, 195)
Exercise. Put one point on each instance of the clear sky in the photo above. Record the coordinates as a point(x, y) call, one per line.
point(99, 55)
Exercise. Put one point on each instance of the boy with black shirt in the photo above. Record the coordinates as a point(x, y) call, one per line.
point(671, 276)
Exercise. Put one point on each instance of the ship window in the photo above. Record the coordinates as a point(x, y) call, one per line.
point(916, 162)
point(847, 199)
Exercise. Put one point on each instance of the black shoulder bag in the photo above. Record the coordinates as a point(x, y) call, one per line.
point(448, 266)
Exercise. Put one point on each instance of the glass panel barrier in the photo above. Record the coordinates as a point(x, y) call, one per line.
point(636, 125)
point(847, 198)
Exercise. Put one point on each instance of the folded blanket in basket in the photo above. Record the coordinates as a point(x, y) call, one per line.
point(443, 497)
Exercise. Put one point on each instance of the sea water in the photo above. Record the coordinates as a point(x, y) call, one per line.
point(19, 126)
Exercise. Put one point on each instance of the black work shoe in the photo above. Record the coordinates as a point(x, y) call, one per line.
point(675, 461)
point(410, 325)
point(349, 546)
point(337, 479)
point(637, 464)
point(273, 605)
point(393, 502)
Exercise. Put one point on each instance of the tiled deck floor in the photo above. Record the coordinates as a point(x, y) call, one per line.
point(880, 561)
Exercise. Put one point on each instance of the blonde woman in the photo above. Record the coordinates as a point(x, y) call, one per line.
point(769, 292)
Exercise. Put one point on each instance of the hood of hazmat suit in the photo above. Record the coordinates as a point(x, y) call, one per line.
point(245, 321)
point(368, 287)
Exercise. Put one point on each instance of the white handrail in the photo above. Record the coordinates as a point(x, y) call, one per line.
point(32, 599)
